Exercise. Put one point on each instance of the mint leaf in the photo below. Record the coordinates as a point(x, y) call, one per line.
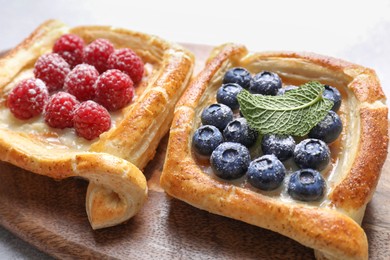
point(294, 113)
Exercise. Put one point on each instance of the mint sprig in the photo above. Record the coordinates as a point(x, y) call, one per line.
point(294, 113)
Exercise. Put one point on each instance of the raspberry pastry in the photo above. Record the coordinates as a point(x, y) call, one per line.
point(91, 102)
point(291, 142)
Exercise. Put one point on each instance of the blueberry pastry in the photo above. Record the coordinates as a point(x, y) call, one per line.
point(316, 156)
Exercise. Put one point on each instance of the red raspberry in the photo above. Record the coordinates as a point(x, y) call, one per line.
point(28, 98)
point(128, 62)
point(80, 82)
point(114, 89)
point(52, 69)
point(59, 110)
point(91, 119)
point(70, 47)
point(97, 53)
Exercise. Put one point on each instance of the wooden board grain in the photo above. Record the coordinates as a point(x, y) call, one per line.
point(51, 215)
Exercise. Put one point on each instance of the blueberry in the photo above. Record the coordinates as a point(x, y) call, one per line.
point(306, 185)
point(265, 83)
point(230, 160)
point(281, 146)
point(239, 131)
point(334, 95)
point(288, 88)
point(238, 75)
point(206, 138)
point(329, 129)
point(218, 115)
point(266, 172)
point(227, 95)
point(312, 153)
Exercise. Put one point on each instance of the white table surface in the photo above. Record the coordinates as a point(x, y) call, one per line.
point(357, 31)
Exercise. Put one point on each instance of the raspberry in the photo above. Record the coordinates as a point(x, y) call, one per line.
point(97, 53)
point(91, 119)
point(58, 112)
point(128, 62)
point(70, 47)
point(52, 69)
point(28, 98)
point(114, 89)
point(80, 82)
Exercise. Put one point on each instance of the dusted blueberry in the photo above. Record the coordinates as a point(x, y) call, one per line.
point(282, 146)
point(227, 94)
point(265, 83)
point(334, 95)
point(218, 115)
point(266, 172)
point(328, 129)
point(312, 153)
point(239, 131)
point(230, 160)
point(238, 75)
point(282, 91)
point(306, 185)
point(206, 138)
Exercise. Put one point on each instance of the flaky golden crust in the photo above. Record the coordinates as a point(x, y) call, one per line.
point(113, 162)
point(357, 188)
point(331, 228)
point(119, 178)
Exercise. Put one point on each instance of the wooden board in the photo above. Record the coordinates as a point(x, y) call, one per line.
point(51, 216)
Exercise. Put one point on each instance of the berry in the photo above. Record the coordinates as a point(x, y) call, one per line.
point(70, 47)
point(329, 129)
point(280, 145)
point(218, 115)
point(58, 112)
point(91, 119)
point(52, 69)
point(114, 90)
point(227, 94)
point(312, 153)
point(206, 138)
point(80, 82)
point(288, 88)
point(306, 185)
point(238, 75)
point(265, 83)
point(230, 160)
point(334, 95)
point(239, 131)
point(128, 62)
point(28, 98)
point(266, 172)
point(97, 52)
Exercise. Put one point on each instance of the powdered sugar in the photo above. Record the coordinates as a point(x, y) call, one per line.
point(127, 61)
point(114, 89)
point(59, 110)
point(52, 69)
point(97, 53)
point(80, 82)
point(27, 98)
point(70, 47)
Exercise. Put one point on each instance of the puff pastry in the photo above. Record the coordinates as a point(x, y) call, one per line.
point(331, 228)
point(113, 162)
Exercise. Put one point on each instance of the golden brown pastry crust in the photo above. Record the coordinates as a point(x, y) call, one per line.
point(333, 229)
point(113, 162)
